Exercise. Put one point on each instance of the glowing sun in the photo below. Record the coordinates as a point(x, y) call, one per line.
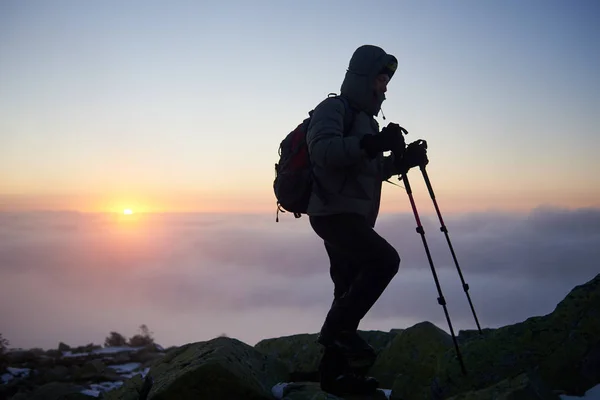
point(127, 211)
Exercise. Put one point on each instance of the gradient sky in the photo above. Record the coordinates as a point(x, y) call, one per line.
point(181, 105)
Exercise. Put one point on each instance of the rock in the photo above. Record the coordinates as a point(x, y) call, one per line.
point(63, 347)
point(90, 369)
point(221, 368)
point(94, 371)
point(559, 343)
point(129, 391)
point(524, 386)
point(20, 357)
point(302, 353)
point(54, 391)
point(58, 373)
point(122, 358)
point(145, 356)
point(53, 353)
point(468, 335)
point(590, 366)
point(312, 391)
point(408, 364)
point(44, 361)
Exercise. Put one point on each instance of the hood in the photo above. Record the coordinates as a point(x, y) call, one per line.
point(366, 63)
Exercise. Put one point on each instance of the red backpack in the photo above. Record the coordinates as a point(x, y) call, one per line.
point(294, 178)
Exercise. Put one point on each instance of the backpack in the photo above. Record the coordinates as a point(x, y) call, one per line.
point(294, 178)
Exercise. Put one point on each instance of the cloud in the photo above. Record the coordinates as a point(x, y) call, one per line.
point(162, 265)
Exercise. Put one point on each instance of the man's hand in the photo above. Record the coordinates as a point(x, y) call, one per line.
point(415, 155)
point(396, 134)
point(391, 138)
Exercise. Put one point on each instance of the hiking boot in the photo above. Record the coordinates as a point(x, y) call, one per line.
point(347, 342)
point(349, 384)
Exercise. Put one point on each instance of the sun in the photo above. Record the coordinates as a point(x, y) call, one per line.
point(127, 211)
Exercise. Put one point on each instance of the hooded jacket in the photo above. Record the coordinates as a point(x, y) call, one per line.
point(348, 181)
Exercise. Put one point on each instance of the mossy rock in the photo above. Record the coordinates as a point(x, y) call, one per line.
point(312, 391)
point(409, 363)
point(302, 353)
point(130, 390)
point(221, 368)
point(559, 343)
point(522, 387)
point(54, 391)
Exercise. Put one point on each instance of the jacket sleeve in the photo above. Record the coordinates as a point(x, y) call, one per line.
point(326, 145)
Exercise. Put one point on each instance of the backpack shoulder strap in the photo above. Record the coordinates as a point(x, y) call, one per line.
point(349, 112)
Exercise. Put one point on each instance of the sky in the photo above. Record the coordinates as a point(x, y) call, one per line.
point(181, 106)
point(175, 110)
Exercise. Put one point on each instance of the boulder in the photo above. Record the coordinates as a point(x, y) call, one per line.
point(146, 356)
point(523, 386)
point(58, 373)
point(18, 357)
point(221, 368)
point(409, 363)
point(122, 358)
point(62, 347)
point(312, 391)
point(130, 390)
point(564, 344)
point(54, 353)
point(89, 370)
point(53, 391)
point(302, 353)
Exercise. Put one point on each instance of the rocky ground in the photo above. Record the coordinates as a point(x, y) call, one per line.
point(548, 357)
point(82, 372)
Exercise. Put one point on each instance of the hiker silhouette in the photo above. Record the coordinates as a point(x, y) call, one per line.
point(349, 170)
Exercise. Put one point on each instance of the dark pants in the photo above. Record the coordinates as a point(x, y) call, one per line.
point(362, 264)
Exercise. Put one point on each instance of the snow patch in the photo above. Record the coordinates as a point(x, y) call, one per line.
point(277, 390)
point(70, 354)
point(90, 392)
point(19, 372)
point(592, 394)
point(96, 389)
point(116, 349)
point(104, 350)
point(14, 373)
point(143, 373)
point(5, 378)
point(125, 368)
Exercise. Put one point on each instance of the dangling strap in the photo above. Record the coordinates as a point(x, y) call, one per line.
point(278, 210)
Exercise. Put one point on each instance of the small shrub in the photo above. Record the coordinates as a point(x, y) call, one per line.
point(115, 339)
point(37, 351)
point(144, 338)
point(3, 347)
point(4, 343)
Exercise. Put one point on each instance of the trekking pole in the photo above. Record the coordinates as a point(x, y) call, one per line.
point(440, 299)
point(444, 229)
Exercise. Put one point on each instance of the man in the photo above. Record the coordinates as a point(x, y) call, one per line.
point(349, 170)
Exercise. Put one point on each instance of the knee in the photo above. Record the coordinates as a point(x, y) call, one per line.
point(392, 262)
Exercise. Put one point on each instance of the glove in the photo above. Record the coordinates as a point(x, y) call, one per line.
point(414, 155)
point(391, 138)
